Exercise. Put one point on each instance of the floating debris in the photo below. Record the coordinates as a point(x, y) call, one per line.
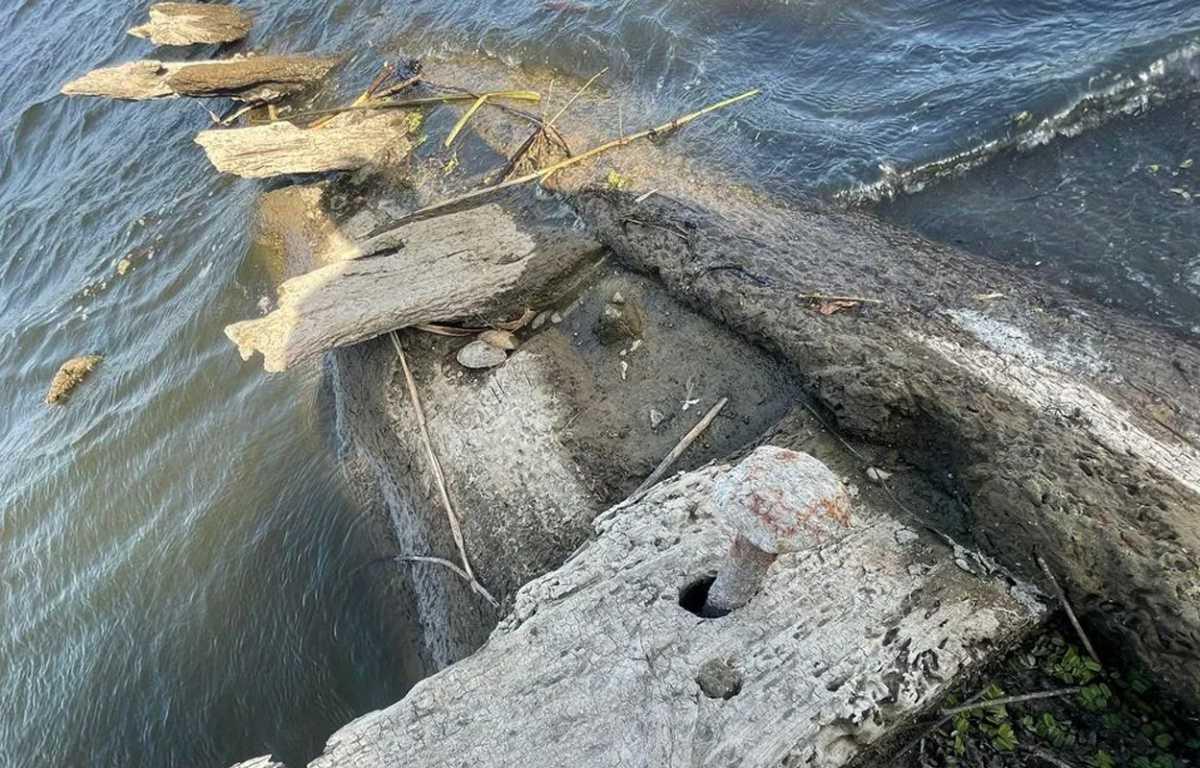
point(253, 78)
point(347, 143)
point(70, 374)
point(192, 23)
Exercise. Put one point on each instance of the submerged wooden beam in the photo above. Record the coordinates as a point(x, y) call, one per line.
point(345, 143)
point(192, 23)
point(603, 663)
point(255, 78)
point(463, 265)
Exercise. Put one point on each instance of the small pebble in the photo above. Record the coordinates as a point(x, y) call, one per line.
point(539, 321)
point(876, 475)
point(556, 318)
point(656, 418)
point(123, 266)
point(618, 298)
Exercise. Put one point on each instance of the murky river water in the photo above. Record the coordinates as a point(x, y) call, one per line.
point(175, 545)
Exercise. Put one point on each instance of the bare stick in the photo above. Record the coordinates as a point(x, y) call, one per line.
point(1042, 754)
point(985, 703)
point(462, 121)
point(545, 173)
point(384, 73)
point(824, 297)
point(542, 130)
point(1066, 604)
point(437, 561)
point(448, 330)
point(679, 448)
point(578, 93)
point(424, 101)
point(451, 515)
point(935, 727)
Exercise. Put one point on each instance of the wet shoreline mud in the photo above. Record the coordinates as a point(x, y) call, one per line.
point(977, 419)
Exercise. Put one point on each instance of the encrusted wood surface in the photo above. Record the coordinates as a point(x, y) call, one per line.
point(261, 151)
point(264, 78)
point(598, 664)
point(135, 81)
point(191, 23)
point(463, 265)
point(1066, 429)
point(251, 78)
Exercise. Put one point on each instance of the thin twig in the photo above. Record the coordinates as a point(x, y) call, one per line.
point(423, 101)
point(386, 71)
point(578, 93)
point(935, 727)
point(437, 561)
point(439, 476)
point(1042, 754)
point(841, 439)
point(541, 130)
point(1066, 604)
point(679, 448)
point(448, 330)
point(545, 173)
point(551, 131)
point(825, 297)
point(985, 703)
point(403, 85)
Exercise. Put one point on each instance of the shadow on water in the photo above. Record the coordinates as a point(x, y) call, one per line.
point(176, 552)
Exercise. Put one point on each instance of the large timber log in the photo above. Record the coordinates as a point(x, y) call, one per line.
point(347, 143)
point(602, 662)
point(254, 78)
point(461, 266)
point(1064, 428)
point(192, 23)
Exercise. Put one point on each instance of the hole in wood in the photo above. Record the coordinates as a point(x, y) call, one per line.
point(694, 598)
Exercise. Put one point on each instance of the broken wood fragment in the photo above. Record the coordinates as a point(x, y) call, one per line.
point(461, 266)
point(69, 376)
point(255, 78)
point(135, 81)
point(192, 23)
point(790, 685)
point(281, 148)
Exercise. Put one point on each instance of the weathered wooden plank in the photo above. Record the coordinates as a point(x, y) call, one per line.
point(463, 265)
point(599, 664)
point(1065, 428)
point(275, 149)
point(135, 81)
point(251, 78)
point(192, 23)
point(263, 78)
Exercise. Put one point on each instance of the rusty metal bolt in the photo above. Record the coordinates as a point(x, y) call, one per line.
point(776, 501)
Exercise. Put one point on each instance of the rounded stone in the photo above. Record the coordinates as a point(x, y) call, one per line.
point(783, 501)
point(480, 354)
point(718, 679)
